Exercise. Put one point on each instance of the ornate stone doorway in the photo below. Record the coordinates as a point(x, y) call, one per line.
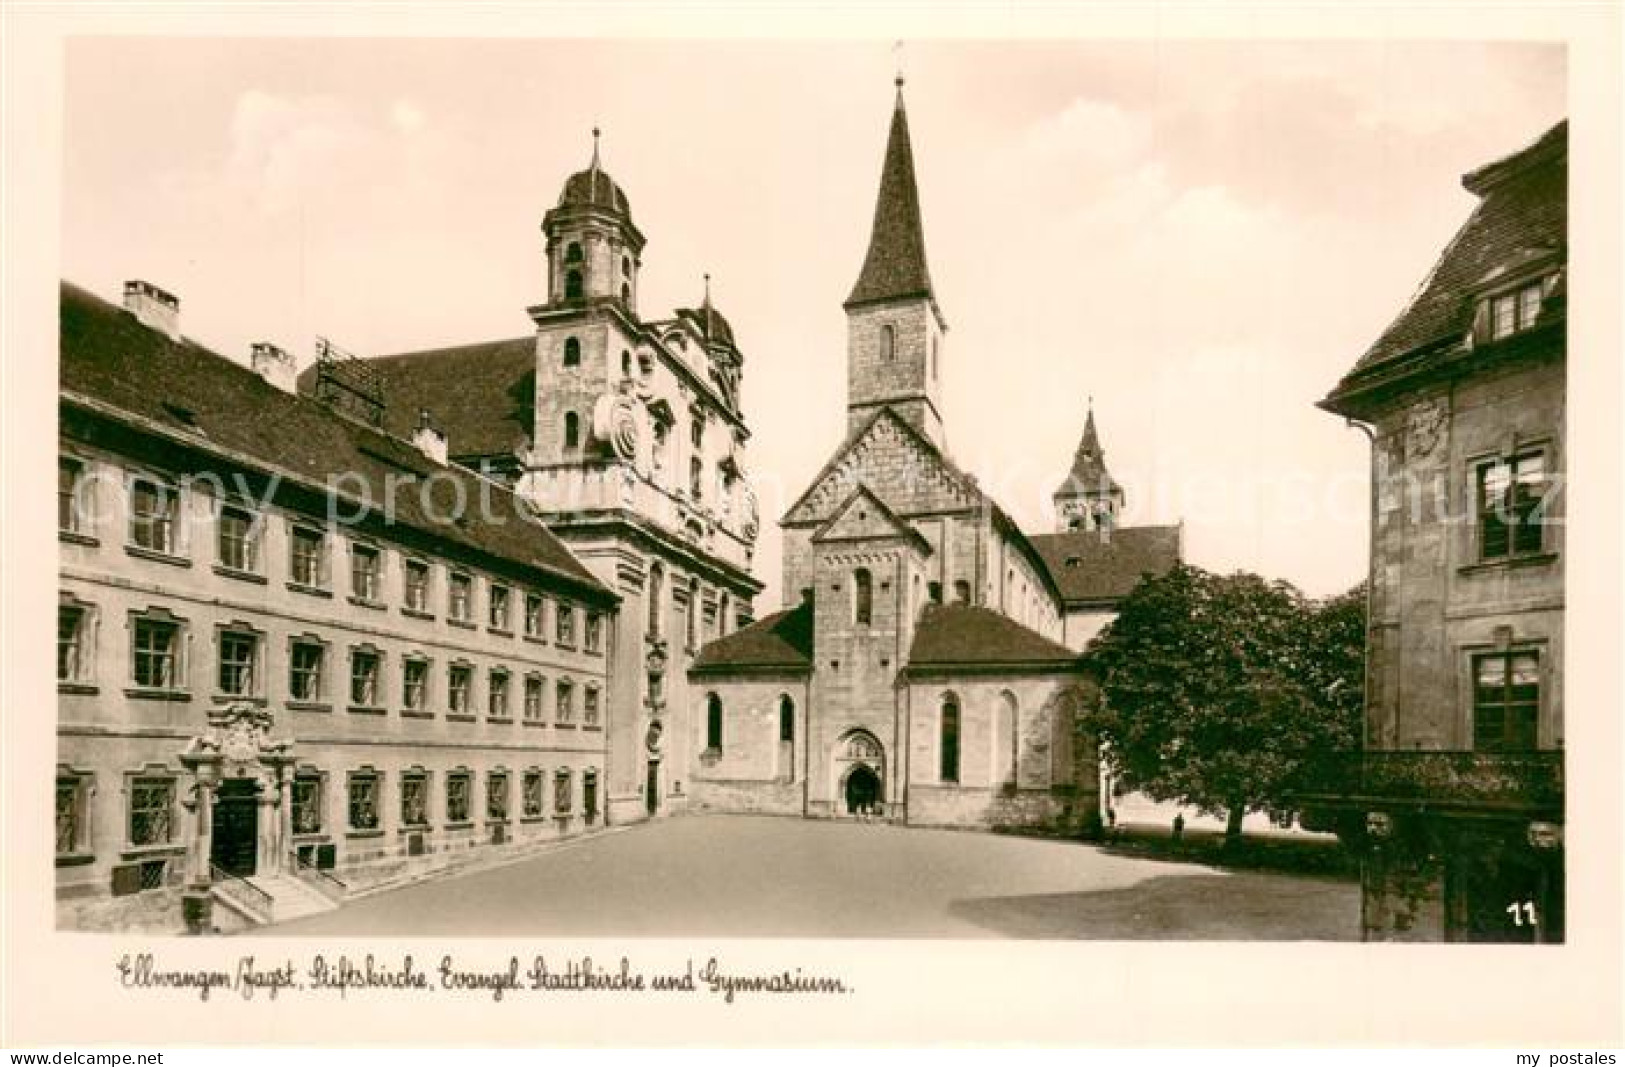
point(236, 838)
point(238, 804)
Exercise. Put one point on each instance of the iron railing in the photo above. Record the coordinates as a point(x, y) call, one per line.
point(334, 889)
point(243, 893)
point(1490, 780)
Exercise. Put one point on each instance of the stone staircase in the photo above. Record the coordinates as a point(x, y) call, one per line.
point(292, 897)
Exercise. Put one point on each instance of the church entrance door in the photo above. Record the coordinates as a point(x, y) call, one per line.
point(235, 846)
point(862, 790)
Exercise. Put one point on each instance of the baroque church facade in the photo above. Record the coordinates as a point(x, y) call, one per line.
point(919, 669)
point(627, 436)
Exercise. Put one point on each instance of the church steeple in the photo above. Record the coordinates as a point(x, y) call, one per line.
point(1089, 498)
point(894, 326)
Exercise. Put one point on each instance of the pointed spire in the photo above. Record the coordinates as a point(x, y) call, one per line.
point(1091, 439)
point(710, 324)
point(595, 133)
point(1089, 471)
point(895, 265)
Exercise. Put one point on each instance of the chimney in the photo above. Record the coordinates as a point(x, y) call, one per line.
point(274, 365)
point(153, 308)
point(428, 439)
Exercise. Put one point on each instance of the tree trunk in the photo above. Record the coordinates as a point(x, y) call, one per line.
point(1232, 827)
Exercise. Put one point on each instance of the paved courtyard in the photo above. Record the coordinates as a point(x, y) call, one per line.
point(746, 876)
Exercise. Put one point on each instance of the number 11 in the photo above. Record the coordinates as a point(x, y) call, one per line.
point(1523, 913)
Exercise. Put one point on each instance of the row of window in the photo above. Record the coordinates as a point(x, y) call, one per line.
point(156, 665)
point(151, 817)
point(154, 526)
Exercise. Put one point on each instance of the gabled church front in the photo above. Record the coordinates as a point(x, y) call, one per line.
point(918, 671)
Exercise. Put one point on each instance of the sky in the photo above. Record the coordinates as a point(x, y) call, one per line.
point(1202, 237)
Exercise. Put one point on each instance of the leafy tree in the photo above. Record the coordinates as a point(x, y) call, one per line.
point(1217, 688)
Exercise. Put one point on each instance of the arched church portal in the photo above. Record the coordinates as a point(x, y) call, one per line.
point(860, 767)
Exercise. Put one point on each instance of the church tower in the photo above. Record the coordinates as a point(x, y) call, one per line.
point(894, 326)
point(593, 249)
point(1090, 498)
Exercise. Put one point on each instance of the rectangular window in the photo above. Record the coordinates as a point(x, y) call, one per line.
point(1528, 306)
point(713, 723)
point(457, 797)
point(152, 810)
point(497, 695)
point(307, 562)
point(417, 585)
point(1503, 316)
point(499, 607)
point(696, 476)
point(565, 624)
point(496, 796)
point(561, 793)
point(239, 655)
point(1510, 495)
point(564, 702)
point(70, 475)
point(366, 573)
point(305, 661)
point(363, 801)
point(239, 540)
point(589, 706)
point(415, 684)
point(70, 815)
point(414, 798)
point(460, 599)
point(589, 795)
point(1506, 701)
point(458, 682)
point(595, 632)
point(71, 665)
point(364, 678)
point(533, 699)
point(532, 789)
point(1517, 311)
point(535, 614)
point(307, 804)
point(155, 653)
point(154, 508)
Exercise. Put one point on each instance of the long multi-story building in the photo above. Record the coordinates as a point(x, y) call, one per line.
point(1457, 799)
point(291, 641)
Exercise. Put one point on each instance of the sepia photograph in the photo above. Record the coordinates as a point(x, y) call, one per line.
point(899, 488)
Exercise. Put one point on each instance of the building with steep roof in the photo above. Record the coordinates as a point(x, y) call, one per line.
point(917, 671)
point(1457, 799)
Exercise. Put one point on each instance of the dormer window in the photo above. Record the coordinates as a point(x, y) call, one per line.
point(1514, 311)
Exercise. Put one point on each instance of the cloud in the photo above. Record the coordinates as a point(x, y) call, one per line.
point(300, 152)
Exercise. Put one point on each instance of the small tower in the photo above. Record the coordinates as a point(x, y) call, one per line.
point(1089, 498)
point(894, 326)
point(593, 248)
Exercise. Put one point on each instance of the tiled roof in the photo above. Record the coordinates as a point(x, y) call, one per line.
point(216, 405)
point(895, 265)
point(1090, 566)
point(781, 641)
point(1522, 213)
point(962, 635)
point(481, 396)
